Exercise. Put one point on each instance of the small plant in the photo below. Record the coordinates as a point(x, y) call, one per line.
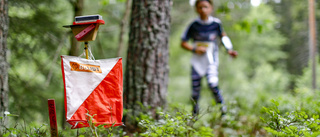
point(235, 122)
point(7, 131)
point(294, 123)
point(100, 130)
point(178, 124)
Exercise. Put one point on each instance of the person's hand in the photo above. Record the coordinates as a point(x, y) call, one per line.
point(200, 50)
point(233, 53)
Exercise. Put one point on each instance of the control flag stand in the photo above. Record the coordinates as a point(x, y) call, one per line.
point(93, 89)
point(85, 29)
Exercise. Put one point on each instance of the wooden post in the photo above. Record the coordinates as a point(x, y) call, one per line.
point(86, 49)
point(313, 41)
point(53, 118)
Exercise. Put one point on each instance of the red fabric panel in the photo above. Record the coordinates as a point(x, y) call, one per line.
point(64, 84)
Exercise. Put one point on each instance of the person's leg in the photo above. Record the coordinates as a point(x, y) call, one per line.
point(213, 81)
point(216, 93)
point(196, 87)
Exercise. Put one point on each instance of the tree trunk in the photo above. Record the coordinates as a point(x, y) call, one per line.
point(75, 45)
point(123, 27)
point(147, 69)
point(312, 41)
point(4, 26)
point(292, 14)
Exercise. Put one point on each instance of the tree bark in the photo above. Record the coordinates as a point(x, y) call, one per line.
point(147, 69)
point(75, 45)
point(4, 26)
point(293, 13)
point(312, 41)
point(123, 27)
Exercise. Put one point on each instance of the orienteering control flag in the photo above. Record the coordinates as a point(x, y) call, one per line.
point(92, 88)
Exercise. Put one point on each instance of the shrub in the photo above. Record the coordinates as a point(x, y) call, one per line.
point(294, 123)
point(180, 123)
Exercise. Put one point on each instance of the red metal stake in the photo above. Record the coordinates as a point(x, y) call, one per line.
point(53, 118)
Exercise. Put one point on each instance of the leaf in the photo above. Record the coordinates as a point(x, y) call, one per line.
point(105, 2)
point(245, 25)
point(259, 28)
point(7, 134)
point(275, 102)
point(12, 115)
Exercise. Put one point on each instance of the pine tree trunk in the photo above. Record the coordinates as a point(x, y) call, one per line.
point(4, 25)
point(296, 48)
point(75, 45)
point(147, 69)
point(123, 27)
point(313, 41)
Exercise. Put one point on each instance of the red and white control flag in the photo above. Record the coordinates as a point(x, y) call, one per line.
point(92, 87)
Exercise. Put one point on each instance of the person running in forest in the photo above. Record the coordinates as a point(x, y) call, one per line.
point(204, 32)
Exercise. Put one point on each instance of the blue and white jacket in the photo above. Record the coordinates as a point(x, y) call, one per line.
point(204, 33)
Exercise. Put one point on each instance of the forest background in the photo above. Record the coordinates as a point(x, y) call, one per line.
point(272, 40)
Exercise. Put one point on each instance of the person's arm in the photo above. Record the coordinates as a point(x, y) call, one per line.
point(228, 45)
point(198, 50)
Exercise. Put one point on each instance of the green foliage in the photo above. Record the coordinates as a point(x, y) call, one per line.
point(297, 114)
point(294, 123)
point(106, 2)
point(236, 122)
point(35, 130)
point(35, 39)
point(304, 81)
point(176, 124)
point(293, 15)
point(100, 130)
point(30, 130)
point(257, 75)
